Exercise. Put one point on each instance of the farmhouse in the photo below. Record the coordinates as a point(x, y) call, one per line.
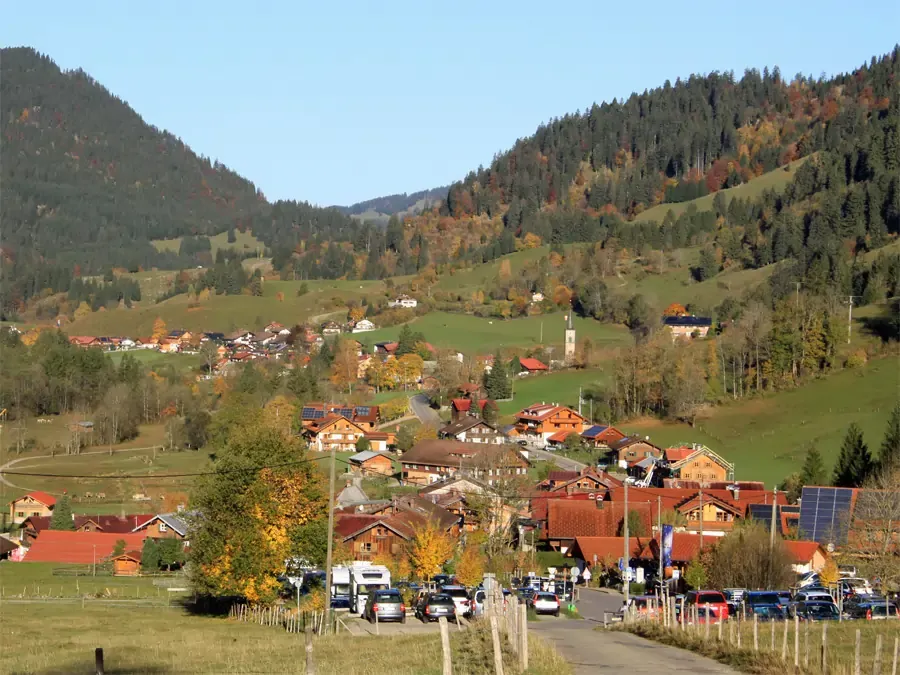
point(363, 326)
point(434, 460)
point(364, 416)
point(164, 526)
point(333, 431)
point(568, 519)
point(371, 463)
point(32, 504)
point(632, 449)
point(687, 327)
point(528, 366)
point(601, 436)
point(698, 463)
point(472, 430)
point(540, 421)
point(403, 301)
point(462, 407)
point(34, 525)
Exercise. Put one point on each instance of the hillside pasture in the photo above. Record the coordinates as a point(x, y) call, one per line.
point(767, 437)
point(560, 387)
point(153, 360)
point(244, 242)
point(473, 278)
point(474, 335)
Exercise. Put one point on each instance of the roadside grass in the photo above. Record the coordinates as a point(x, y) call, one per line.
point(559, 387)
point(776, 179)
point(244, 241)
point(767, 437)
point(54, 580)
point(475, 335)
point(170, 640)
point(841, 645)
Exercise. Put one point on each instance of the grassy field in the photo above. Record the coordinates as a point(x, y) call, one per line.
point(55, 433)
point(561, 387)
point(772, 180)
point(152, 359)
point(474, 335)
point(767, 437)
point(38, 580)
point(171, 640)
point(478, 276)
point(244, 241)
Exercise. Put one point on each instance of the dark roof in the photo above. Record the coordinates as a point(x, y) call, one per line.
point(447, 452)
point(691, 321)
point(464, 424)
point(562, 475)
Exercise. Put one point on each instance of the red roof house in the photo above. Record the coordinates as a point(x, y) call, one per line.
point(60, 546)
point(531, 365)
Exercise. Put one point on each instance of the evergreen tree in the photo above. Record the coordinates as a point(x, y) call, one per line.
point(854, 462)
point(889, 457)
point(813, 471)
point(62, 515)
point(497, 383)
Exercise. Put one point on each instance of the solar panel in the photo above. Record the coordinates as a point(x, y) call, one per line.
point(362, 410)
point(318, 414)
point(763, 512)
point(825, 514)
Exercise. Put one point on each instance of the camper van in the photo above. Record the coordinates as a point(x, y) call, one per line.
point(363, 579)
point(340, 587)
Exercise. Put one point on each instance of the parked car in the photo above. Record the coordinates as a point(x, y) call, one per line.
point(875, 610)
point(525, 594)
point(460, 598)
point(734, 597)
point(855, 586)
point(545, 603)
point(767, 605)
point(435, 606)
point(716, 600)
point(813, 595)
point(442, 579)
point(816, 610)
point(847, 570)
point(564, 590)
point(386, 606)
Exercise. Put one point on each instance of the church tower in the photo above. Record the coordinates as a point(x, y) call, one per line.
point(570, 337)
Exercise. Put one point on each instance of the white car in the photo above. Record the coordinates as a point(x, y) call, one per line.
point(460, 598)
point(545, 603)
point(813, 596)
point(856, 586)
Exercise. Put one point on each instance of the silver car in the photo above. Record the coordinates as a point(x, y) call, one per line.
point(437, 605)
point(386, 605)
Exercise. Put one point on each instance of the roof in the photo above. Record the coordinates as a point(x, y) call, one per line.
point(685, 547)
point(461, 404)
point(561, 436)
point(60, 546)
point(377, 435)
point(801, 551)
point(631, 440)
point(678, 454)
point(606, 548)
point(587, 518)
point(562, 475)
point(42, 497)
point(7, 546)
point(531, 364)
point(130, 555)
point(170, 519)
point(672, 498)
point(448, 452)
point(541, 411)
point(365, 456)
point(464, 424)
point(351, 495)
point(690, 321)
point(594, 431)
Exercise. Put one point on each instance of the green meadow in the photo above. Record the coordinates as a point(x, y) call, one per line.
point(244, 241)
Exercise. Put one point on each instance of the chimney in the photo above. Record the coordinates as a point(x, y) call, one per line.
point(348, 483)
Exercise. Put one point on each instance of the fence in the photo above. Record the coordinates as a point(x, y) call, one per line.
point(320, 623)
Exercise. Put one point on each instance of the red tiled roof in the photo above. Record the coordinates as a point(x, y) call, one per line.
point(685, 547)
point(540, 502)
point(105, 523)
point(678, 454)
point(462, 404)
point(801, 551)
point(560, 436)
point(673, 497)
point(606, 548)
point(351, 524)
point(531, 364)
point(562, 475)
point(570, 519)
point(42, 497)
point(60, 546)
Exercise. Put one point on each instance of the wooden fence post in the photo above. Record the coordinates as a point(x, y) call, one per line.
point(706, 629)
point(310, 664)
point(806, 645)
point(772, 629)
point(523, 636)
point(498, 652)
point(513, 624)
point(755, 632)
point(445, 646)
point(896, 655)
point(98, 660)
point(720, 629)
point(824, 648)
point(856, 654)
point(876, 669)
point(784, 642)
point(796, 640)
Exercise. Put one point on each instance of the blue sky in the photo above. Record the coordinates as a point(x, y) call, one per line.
point(339, 102)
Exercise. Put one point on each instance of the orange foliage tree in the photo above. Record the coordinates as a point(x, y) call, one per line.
point(429, 550)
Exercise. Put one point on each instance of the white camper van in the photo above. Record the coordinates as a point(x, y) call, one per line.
point(365, 578)
point(340, 587)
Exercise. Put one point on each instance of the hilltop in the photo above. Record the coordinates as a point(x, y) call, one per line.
point(381, 209)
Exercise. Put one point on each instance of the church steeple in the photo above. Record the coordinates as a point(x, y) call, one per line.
point(570, 337)
point(570, 321)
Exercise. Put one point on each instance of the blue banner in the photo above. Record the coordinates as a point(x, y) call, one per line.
point(667, 531)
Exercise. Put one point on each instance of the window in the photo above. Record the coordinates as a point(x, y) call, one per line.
point(35, 513)
point(20, 514)
point(163, 527)
point(365, 546)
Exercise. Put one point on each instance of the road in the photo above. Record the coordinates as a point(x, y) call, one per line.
point(426, 414)
point(562, 462)
point(597, 651)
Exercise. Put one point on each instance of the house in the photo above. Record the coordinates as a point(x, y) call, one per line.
point(239, 337)
point(403, 301)
point(687, 327)
point(698, 463)
point(277, 328)
point(330, 329)
point(462, 407)
point(84, 548)
point(631, 449)
point(806, 556)
point(540, 421)
point(84, 341)
point(333, 431)
point(600, 436)
point(472, 430)
point(587, 480)
point(127, 564)
point(379, 441)
point(537, 297)
point(527, 366)
point(434, 460)
point(34, 525)
point(164, 526)
point(568, 519)
point(717, 515)
point(363, 326)
point(371, 464)
point(364, 416)
point(456, 496)
point(604, 552)
point(34, 503)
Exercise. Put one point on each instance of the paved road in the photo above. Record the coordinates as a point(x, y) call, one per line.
point(593, 651)
point(426, 414)
point(562, 462)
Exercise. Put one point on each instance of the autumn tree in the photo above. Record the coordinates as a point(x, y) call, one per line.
point(209, 352)
point(470, 567)
point(279, 414)
point(159, 329)
point(410, 368)
point(745, 558)
point(345, 366)
point(82, 310)
point(429, 550)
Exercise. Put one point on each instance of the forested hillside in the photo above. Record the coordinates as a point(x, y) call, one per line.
point(392, 204)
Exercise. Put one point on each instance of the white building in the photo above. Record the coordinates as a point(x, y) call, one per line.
point(363, 326)
point(403, 301)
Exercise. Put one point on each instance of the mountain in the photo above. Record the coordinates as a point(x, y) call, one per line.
point(381, 208)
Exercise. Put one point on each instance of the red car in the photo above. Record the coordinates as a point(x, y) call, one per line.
point(718, 606)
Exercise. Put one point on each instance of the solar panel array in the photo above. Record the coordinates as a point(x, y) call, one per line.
point(312, 414)
point(825, 514)
point(763, 512)
point(362, 410)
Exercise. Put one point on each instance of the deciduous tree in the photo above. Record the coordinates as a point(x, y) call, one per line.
point(470, 567)
point(429, 550)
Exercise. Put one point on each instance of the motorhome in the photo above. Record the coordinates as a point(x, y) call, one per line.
point(340, 587)
point(364, 578)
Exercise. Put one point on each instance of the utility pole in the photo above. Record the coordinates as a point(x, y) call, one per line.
point(774, 518)
point(659, 526)
point(330, 536)
point(701, 520)
point(541, 341)
point(627, 557)
point(579, 400)
point(850, 315)
point(797, 296)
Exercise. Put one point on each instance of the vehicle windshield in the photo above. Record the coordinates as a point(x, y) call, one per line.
point(821, 609)
point(455, 592)
point(703, 598)
point(387, 596)
point(365, 589)
point(341, 589)
point(764, 599)
point(441, 600)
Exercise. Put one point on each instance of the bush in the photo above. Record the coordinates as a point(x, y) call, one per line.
point(637, 589)
point(857, 359)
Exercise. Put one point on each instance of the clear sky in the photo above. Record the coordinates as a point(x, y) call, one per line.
point(336, 102)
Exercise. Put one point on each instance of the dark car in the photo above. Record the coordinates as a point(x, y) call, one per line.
point(816, 611)
point(435, 606)
point(767, 605)
point(385, 605)
point(525, 594)
point(874, 610)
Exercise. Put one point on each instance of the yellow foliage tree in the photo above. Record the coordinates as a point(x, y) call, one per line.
point(470, 568)
point(829, 574)
point(425, 432)
point(429, 550)
point(30, 337)
point(159, 329)
point(505, 269)
point(531, 240)
point(83, 310)
point(345, 367)
point(357, 313)
point(280, 414)
point(202, 296)
point(410, 368)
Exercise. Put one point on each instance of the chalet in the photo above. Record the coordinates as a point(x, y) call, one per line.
point(164, 526)
point(371, 463)
point(380, 441)
point(433, 460)
point(239, 337)
point(717, 515)
point(568, 519)
point(127, 564)
point(363, 326)
point(277, 328)
point(697, 463)
point(456, 495)
point(600, 436)
point(333, 432)
point(631, 449)
point(34, 503)
point(687, 327)
point(330, 329)
point(540, 421)
point(527, 366)
point(34, 525)
point(463, 407)
point(364, 416)
point(472, 430)
point(218, 338)
point(84, 341)
point(588, 480)
point(403, 301)
point(263, 338)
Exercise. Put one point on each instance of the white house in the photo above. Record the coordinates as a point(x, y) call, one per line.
point(403, 301)
point(363, 326)
point(537, 297)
